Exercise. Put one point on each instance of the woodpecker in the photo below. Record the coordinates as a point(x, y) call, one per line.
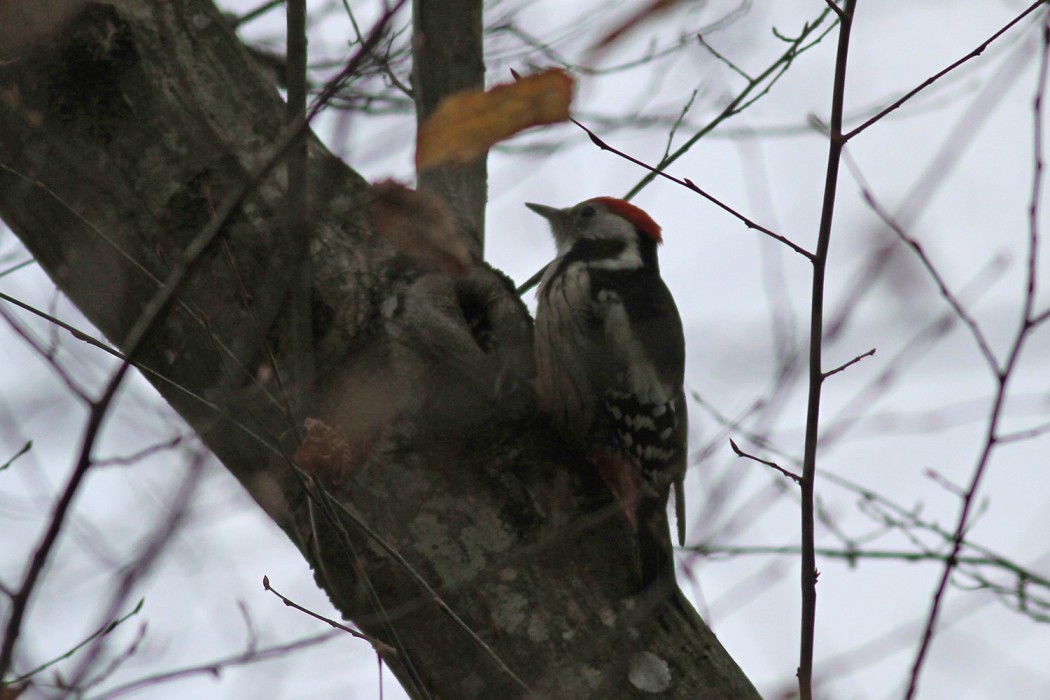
point(610, 360)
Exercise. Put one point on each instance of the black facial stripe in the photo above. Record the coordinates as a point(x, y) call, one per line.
point(595, 249)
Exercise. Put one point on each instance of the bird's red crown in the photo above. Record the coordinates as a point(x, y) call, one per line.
point(641, 221)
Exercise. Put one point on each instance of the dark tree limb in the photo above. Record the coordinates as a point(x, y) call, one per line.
point(122, 127)
point(448, 56)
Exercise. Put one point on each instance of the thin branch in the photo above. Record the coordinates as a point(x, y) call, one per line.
point(816, 372)
point(944, 482)
point(75, 332)
point(25, 448)
point(328, 502)
point(1028, 434)
point(740, 453)
point(133, 573)
point(136, 457)
point(855, 360)
point(257, 12)
point(934, 176)
point(1040, 318)
point(148, 316)
point(214, 668)
point(379, 646)
point(745, 97)
point(85, 337)
point(1037, 178)
point(732, 66)
point(134, 263)
point(532, 281)
point(937, 76)
point(688, 184)
point(942, 286)
point(45, 354)
point(1003, 375)
point(915, 348)
point(904, 517)
point(836, 9)
point(851, 556)
point(102, 631)
point(678, 123)
point(17, 267)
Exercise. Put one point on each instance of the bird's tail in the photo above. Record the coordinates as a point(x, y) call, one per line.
point(679, 508)
point(654, 543)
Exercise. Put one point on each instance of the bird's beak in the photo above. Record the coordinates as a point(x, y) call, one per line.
point(559, 220)
point(549, 213)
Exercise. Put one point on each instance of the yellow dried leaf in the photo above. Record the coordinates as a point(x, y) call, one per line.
point(468, 123)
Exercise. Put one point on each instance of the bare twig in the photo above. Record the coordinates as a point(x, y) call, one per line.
point(678, 122)
point(688, 184)
point(1014, 595)
point(934, 177)
point(333, 509)
point(937, 76)
point(46, 354)
point(16, 267)
point(1028, 434)
point(25, 448)
point(1003, 373)
point(836, 141)
point(257, 12)
point(855, 360)
point(755, 88)
point(851, 556)
point(134, 571)
point(944, 482)
point(214, 668)
point(836, 9)
point(931, 269)
point(740, 453)
point(379, 646)
point(148, 316)
point(723, 59)
point(136, 457)
point(85, 337)
point(104, 630)
point(744, 98)
point(1040, 318)
point(923, 341)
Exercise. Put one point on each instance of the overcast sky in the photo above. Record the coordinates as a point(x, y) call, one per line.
point(954, 168)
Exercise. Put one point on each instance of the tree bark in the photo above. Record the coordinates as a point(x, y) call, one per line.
point(448, 56)
point(122, 125)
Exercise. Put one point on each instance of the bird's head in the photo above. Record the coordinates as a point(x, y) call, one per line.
point(600, 219)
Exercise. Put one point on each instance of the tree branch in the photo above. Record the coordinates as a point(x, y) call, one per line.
point(424, 378)
point(836, 141)
point(940, 74)
point(1002, 374)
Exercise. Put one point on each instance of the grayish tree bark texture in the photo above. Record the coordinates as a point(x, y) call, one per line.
point(447, 56)
point(122, 126)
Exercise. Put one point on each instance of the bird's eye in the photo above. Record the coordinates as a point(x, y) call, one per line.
point(587, 212)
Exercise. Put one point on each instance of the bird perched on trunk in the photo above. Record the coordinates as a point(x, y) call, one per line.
point(610, 359)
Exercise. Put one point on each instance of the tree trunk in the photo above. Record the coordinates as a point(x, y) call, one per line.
point(123, 125)
point(448, 56)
